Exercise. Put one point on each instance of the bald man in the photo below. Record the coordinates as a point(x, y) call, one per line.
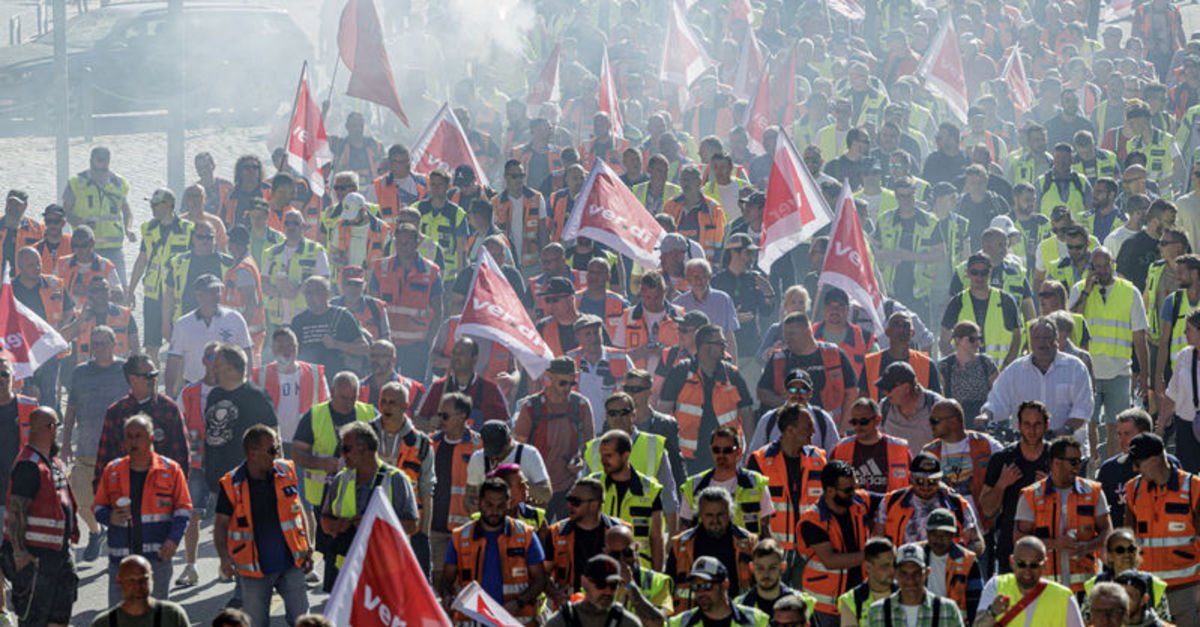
point(133, 577)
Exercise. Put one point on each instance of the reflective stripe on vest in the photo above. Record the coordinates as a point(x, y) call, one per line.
point(1108, 320)
point(325, 445)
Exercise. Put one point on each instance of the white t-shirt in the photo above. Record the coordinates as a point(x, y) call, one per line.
point(910, 614)
point(288, 409)
point(729, 200)
point(1115, 240)
point(191, 334)
point(937, 574)
point(766, 508)
point(531, 464)
point(358, 244)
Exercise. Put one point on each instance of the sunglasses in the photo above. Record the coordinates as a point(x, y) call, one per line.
point(703, 586)
point(1084, 246)
point(1127, 549)
point(974, 339)
point(604, 585)
point(153, 374)
point(566, 384)
point(1028, 565)
point(978, 272)
point(55, 221)
point(550, 300)
point(799, 389)
point(1168, 242)
point(576, 501)
point(634, 389)
point(617, 413)
point(860, 422)
point(723, 450)
point(342, 188)
point(1073, 461)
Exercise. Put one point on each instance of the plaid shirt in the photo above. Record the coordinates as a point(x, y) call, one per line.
point(948, 614)
point(170, 438)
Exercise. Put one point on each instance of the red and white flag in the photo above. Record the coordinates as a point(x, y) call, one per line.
point(360, 45)
point(444, 145)
point(380, 584)
point(794, 209)
point(751, 66)
point(683, 58)
point(1018, 86)
point(849, 9)
point(479, 605)
point(494, 312)
point(848, 265)
point(307, 143)
point(942, 70)
point(758, 111)
point(28, 340)
point(610, 102)
point(546, 89)
point(607, 212)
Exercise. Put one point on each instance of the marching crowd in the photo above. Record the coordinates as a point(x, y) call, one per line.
point(1012, 443)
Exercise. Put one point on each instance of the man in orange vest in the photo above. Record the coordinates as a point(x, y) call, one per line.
point(958, 575)
point(602, 368)
point(518, 211)
point(899, 332)
point(293, 386)
point(411, 286)
point(792, 465)
point(42, 528)
point(554, 264)
point(902, 514)
point(357, 151)
point(43, 294)
point(646, 328)
point(836, 328)
point(835, 379)
point(697, 216)
point(403, 446)
point(400, 187)
point(558, 327)
point(382, 362)
point(1163, 505)
point(885, 460)
point(576, 537)
point(963, 454)
point(243, 534)
point(596, 299)
point(147, 519)
point(456, 441)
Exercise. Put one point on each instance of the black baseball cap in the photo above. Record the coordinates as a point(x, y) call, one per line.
point(896, 373)
point(558, 286)
point(1145, 446)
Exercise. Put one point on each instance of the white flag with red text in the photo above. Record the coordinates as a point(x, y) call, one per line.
point(751, 66)
point(546, 89)
point(758, 111)
point(942, 69)
point(683, 58)
point(480, 606)
point(494, 312)
point(848, 264)
point(1013, 76)
point(307, 143)
point(380, 583)
point(794, 209)
point(607, 212)
point(28, 340)
point(444, 145)
point(610, 102)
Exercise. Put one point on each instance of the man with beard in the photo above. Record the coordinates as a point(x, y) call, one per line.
point(601, 579)
point(769, 562)
point(647, 592)
point(133, 576)
point(1002, 601)
point(1102, 220)
point(577, 537)
point(716, 538)
point(709, 581)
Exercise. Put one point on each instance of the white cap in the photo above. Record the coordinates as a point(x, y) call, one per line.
point(352, 204)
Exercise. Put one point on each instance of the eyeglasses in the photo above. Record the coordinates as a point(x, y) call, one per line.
point(860, 422)
point(618, 413)
point(1127, 549)
point(576, 501)
point(703, 586)
point(635, 389)
point(1073, 461)
point(724, 450)
point(153, 374)
point(978, 272)
point(1030, 565)
point(566, 384)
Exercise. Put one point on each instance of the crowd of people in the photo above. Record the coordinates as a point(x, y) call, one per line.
point(712, 443)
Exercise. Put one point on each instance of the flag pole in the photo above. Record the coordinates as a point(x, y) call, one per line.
point(296, 98)
point(332, 81)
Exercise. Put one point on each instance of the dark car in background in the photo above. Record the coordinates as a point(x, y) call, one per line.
point(237, 57)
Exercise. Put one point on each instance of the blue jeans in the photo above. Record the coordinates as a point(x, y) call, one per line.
point(1113, 395)
point(256, 595)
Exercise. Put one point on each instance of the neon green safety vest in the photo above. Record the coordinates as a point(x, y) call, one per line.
point(1159, 162)
point(299, 267)
point(872, 107)
point(890, 231)
point(996, 338)
point(859, 599)
point(1050, 197)
point(1105, 164)
point(345, 504)
point(175, 282)
point(887, 200)
point(642, 191)
point(636, 508)
point(1012, 279)
point(1153, 275)
point(747, 496)
point(1051, 604)
point(646, 457)
point(159, 250)
point(658, 588)
point(1034, 230)
point(827, 140)
point(1181, 308)
point(436, 225)
point(742, 617)
point(1025, 167)
point(101, 207)
point(1108, 320)
point(325, 444)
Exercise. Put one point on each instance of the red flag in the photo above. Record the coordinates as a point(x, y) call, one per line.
point(751, 65)
point(758, 112)
point(607, 212)
point(444, 145)
point(494, 312)
point(360, 44)
point(683, 59)
point(28, 340)
point(943, 72)
point(307, 144)
point(848, 265)
point(380, 584)
point(546, 89)
point(794, 209)
point(609, 101)
point(479, 605)
point(1018, 87)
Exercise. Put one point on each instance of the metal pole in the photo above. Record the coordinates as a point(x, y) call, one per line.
point(62, 121)
point(175, 106)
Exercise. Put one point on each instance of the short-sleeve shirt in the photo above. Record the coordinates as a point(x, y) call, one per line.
point(93, 390)
point(310, 328)
point(273, 553)
point(718, 306)
point(492, 579)
point(673, 385)
point(815, 367)
point(191, 333)
point(525, 456)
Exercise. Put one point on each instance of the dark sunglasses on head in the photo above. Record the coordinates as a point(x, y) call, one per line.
point(616, 413)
